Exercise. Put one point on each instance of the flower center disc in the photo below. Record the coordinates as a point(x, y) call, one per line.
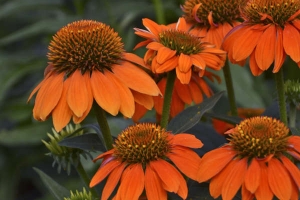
point(85, 45)
point(141, 143)
point(259, 137)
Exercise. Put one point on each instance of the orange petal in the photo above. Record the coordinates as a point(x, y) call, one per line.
point(158, 101)
point(279, 51)
point(204, 87)
point(234, 179)
point(213, 36)
point(77, 93)
point(213, 162)
point(186, 140)
point(62, 113)
point(103, 172)
point(177, 105)
point(184, 63)
point(256, 71)
point(264, 51)
point(294, 142)
point(132, 182)
point(103, 155)
point(48, 96)
point(164, 54)
point(183, 92)
point(151, 26)
point(184, 77)
point(198, 61)
point(127, 103)
point(279, 179)
point(167, 66)
point(295, 192)
point(112, 181)
point(246, 195)
point(263, 191)
point(186, 160)
point(196, 92)
point(292, 169)
point(291, 42)
point(181, 24)
point(216, 183)
point(105, 92)
point(134, 58)
point(143, 99)
point(139, 112)
point(136, 79)
point(153, 185)
point(244, 45)
point(213, 61)
point(253, 175)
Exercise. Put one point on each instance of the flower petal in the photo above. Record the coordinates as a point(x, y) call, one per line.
point(143, 99)
point(186, 140)
point(279, 50)
point(183, 92)
point(213, 162)
point(196, 92)
point(279, 179)
point(263, 191)
point(184, 63)
point(294, 142)
point(164, 54)
point(291, 42)
point(153, 185)
point(184, 77)
point(256, 71)
point(253, 175)
point(292, 169)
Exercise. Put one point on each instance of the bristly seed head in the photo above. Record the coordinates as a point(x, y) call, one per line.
point(85, 45)
point(259, 137)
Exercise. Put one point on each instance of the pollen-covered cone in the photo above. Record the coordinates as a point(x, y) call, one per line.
point(183, 94)
point(271, 31)
point(148, 158)
point(87, 63)
point(259, 160)
point(173, 47)
point(212, 19)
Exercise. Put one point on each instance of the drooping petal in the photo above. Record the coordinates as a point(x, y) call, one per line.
point(186, 160)
point(198, 61)
point(143, 99)
point(294, 142)
point(77, 94)
point(292, 169)
point(183, 92)
point(184, 77)
point(136, 79)
point(234, 180)
point(48, 96)
point(158, 100)
point(186, 140)
point(167, 66)
point(112, 181)
point(196, 92)
point(213, 162)
point(291, 42)
point(279, 50)
point(153, 185)
point(256, 71)
point(153, 27)
point(177, 105)
point(184, 63)
point(253, 176)
point(264, 51)
point(132, 182)
point(105, 92)
point(104, 171)
point(164, 54)
point(279, 179)
point(263, 191)
point(107, 153)
point(246, 195)
point(62, 113)
point(134, 58)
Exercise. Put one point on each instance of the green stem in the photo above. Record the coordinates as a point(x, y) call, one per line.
point(292, 115)
point(159, 10)
point(167, 99)
point(104, 127)
point(230, 90)
point(281, 97)
point(85, 178)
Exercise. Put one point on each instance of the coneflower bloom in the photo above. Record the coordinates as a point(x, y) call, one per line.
point(183, 94)
point(143, 159)
point(87, 62)
point(174, 48)
point(271, 31)
point(222, 126)
point(258, 159)
point(212, 19)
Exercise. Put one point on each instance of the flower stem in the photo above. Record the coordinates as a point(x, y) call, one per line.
point(167, 99)
point(281, 97)
point(230, 90)
point(102, 121)
point(292, 115)
point(158, 6)
point(85, 178)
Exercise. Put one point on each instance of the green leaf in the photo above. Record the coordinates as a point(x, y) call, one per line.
point(191, 116)
point(88, 142)
point(56, 189)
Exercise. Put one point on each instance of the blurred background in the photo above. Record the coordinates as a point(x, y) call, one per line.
point(26, 28)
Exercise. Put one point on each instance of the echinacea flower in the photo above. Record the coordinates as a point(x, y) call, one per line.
point(183, 94)
point(143, 159)
point(258, 159)
point(87, 62)
point(271, 31)
point(175, 48)
point(212, 19)
point(222, 126)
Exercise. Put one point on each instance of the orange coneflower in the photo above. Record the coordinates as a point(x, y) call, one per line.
point(143, 159)
point(183, 94)
point(222, 126)
point(212, 19)
point(87, 62)
point(175, 48)
point(258, 159)
point(270, 32)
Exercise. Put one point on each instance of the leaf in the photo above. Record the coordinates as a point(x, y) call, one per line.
point(295, 131)
point(191, 116)
point(88, 142)
point(56, 189)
